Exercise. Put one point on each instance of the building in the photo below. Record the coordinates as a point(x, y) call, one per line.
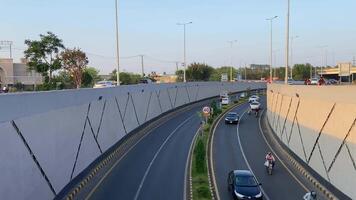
point(13, 73)
point(259, 67)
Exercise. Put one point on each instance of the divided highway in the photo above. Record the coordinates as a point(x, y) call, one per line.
point(155, 168)
point(244, 147)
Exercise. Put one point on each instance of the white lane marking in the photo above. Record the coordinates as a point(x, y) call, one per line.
point(244, 156)
point(156, 155)
point(211, 151)
point(280, 160)
point(188, 165)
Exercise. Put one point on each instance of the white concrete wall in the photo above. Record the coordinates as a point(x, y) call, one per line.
point(67, 130)
point(321, 130)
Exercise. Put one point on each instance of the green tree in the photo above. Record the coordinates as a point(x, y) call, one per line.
point(126, 78)
point(43, 55)
point(199, 72)
point(90, 77)
point(216, 76)
point(74, 62)
point(180, 75)
point(302, 71)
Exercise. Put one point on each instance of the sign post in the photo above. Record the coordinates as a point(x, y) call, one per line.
point(206, 113)
point(344, 70)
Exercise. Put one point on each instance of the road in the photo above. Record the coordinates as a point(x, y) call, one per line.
point(155, 168)
point(244, 147)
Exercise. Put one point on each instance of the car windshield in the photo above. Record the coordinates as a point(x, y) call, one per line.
point(255, 103)
point(246, 181)
point(232, 115)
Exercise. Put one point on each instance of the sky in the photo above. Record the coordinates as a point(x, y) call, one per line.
point(150, 28)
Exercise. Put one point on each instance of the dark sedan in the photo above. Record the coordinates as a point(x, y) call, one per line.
point(232, 118)
point(243, 185)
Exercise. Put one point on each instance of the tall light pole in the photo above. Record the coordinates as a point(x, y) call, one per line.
point(287, 44)
point(117, 43)
point(185, 55)
point(291, 54)
point(323, 48)
point(231, 46)
point(271, 50)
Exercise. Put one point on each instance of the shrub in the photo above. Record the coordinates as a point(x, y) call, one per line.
point(200, 157)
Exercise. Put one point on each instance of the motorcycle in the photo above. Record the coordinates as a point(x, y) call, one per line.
point(269, 167)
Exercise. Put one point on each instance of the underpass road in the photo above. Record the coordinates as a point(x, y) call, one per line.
point(228, 155)
point(155, 167)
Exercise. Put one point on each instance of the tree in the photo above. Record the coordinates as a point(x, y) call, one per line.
point(126, 78)
point(302, 71)
point(199, 72)
point(180, 75)
point(43, 55)
point(90, 77)
point(74, 62)
point(216, 76)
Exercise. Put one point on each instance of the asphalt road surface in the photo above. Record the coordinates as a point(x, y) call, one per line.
point(155, 167)
point(243, 147)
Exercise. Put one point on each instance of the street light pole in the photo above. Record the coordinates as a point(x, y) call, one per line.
point(117, 43)
point(271, 50)
point(291, 55)
point(287, 45)
point(231, 45)
point(185, 56)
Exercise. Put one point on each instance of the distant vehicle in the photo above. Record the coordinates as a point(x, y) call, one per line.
point(314, 81)
point(255, 105)
point(243, 95)
point(290, 81)
point(225, 101)
point(224, 94)
point(253, 98)
point(332, 82)
point(243, 185)
point(224, 78)
point(104, 84)
point(232, 118)
point(145, 81)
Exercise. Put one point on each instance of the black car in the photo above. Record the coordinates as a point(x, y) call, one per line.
point(232, 118)
point(243, 185)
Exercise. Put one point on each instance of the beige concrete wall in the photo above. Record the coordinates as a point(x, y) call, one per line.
point(317, 123)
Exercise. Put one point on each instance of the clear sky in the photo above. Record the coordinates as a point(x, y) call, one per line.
point(149, 28)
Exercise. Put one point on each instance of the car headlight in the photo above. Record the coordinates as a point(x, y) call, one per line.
point(239, 195)
point(259, 195)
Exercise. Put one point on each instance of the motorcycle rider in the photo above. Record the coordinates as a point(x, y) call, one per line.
point(310, 196)
point(270, 158)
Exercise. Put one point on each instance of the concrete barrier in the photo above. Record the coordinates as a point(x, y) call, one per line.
point(48, 138)
point(318, 124)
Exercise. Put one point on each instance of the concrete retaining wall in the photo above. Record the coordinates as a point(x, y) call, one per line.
point(318, 124)
point(48, 138)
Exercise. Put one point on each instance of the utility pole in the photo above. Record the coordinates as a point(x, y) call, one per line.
point(231, 46)
point(291, 55)
point(142, 65)
point(177, 63)
point(271, 50)
point(287, 45)
point(185, 56)
point(117, 43)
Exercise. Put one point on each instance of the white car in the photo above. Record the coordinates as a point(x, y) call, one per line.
point(225, 101)
point(255, 105)
point(314, 81)
point(104, 84)
point(243, 95)
point(253, 98)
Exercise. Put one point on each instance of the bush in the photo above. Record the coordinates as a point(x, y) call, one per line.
point(200, 157)
point(203, 192)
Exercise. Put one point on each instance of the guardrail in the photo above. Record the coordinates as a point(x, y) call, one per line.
point(48, 138)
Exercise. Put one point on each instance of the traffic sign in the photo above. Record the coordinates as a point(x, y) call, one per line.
point(206, 110)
